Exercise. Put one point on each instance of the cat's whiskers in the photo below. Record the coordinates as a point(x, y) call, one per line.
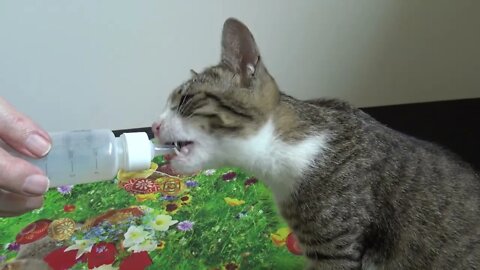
point(186, 106)
point(170, 134)
point(181, 108)
point(183, 92)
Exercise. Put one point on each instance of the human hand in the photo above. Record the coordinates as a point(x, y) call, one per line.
point(21, 184)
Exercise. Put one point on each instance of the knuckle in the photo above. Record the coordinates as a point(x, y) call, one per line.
point(5, 166)
point(14, 169)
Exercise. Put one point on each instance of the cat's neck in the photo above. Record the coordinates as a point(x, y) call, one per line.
point(280, 164)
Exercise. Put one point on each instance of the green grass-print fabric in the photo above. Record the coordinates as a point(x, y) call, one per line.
point(217, 219)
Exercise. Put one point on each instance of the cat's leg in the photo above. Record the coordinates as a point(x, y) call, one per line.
point(327, 265)
point(331, 265)
point(342, 252)
point(30, 256)
point(38, 249)
point(26, 264)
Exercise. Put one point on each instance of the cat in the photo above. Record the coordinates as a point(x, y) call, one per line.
point(357, 194)
point(30, 256)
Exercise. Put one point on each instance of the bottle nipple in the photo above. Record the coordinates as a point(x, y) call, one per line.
point(160, 150)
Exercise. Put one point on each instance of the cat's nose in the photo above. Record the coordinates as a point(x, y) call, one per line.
point(156, 128)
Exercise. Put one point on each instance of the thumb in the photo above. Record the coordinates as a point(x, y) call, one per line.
point(19, 131)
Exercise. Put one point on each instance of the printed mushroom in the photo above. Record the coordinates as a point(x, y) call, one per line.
point(33, 232)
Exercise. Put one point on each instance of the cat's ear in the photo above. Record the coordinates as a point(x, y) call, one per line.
point(193, 73)
point(239, 50)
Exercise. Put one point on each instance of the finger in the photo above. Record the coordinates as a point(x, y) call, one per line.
point(21, 132)
point(6, 214)
point(12, 204)
point(19, 176)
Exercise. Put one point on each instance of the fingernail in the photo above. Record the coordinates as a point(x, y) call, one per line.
point(38, 145)
point(36, 184)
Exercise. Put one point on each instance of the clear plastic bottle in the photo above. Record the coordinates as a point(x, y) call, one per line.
point(85, 156)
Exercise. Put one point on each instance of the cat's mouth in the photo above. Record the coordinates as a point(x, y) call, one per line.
point(181, 147)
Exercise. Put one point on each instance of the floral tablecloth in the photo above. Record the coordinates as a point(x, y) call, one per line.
point(156, 219)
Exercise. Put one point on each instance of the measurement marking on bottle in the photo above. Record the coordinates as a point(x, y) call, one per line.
point(70, 156)
point(95, 151)
point(72, 173)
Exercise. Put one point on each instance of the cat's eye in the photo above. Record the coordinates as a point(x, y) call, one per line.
point(185, 99)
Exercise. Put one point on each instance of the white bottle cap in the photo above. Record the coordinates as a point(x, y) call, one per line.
point(138, 151)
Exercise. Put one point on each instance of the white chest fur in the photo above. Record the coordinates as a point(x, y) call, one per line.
point(278, 163)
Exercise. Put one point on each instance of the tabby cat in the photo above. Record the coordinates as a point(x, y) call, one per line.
point(357, 194)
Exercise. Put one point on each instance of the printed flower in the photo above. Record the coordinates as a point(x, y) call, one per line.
point(161, 245)
point(162, 222)
point(172, 208)
point(171, 186)
point(141, 186)
point(106, 267)
point(65, 189)
point(186, 199)
point(69, 208)
point(81, 246)
point(13, 246)
point(231, 266)
point(33, 231)
point(147, 245)
point(229, 176)
point(185, 225)
point(61, 229)
point(169, 198)
point(250, 181)
point(280, 236)
point(95, 233)
point(146, 197)
point(209, 172)
point(125, 175)
point(233, 201)
point(61, 259)
point(115, 216)
point(136, 261)
point(241, 215)
point(191, 183)
point(135, 235)
point(246, 254)
point(101, 254)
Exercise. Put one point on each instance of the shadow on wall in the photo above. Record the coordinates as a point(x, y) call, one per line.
point(425, 49)
point(372, 53)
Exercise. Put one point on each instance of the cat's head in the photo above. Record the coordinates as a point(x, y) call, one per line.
point(213, 114)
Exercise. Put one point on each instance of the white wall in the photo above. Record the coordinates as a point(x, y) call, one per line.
point(111, 64)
